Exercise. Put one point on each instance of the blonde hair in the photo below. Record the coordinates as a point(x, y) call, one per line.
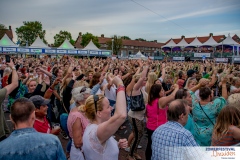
point(151, 79)
point(7, 71)
point(234, 100)
point(31, 80)
point(90, 111)
point(190, 80)
point(234, 80)
point(136, 77)
point(229, 115)
point(80, 83)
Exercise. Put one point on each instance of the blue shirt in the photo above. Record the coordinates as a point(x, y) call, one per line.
point(28, 144)
point(172, 141)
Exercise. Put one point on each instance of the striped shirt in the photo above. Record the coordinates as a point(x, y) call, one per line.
point(225, 140)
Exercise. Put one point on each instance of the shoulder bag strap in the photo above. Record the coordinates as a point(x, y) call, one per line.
point(64, 106)
point(205, 113)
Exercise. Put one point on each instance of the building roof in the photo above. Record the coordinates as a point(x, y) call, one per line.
point(104, 40)
point(7, 31)
point(201, 39)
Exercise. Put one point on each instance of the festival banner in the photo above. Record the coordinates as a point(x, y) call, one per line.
point(9, 49)
point(221, 60)
point(202, 55)
point(72, 51)
point(178, 58)
point(52, 51)
point(82, 52)
point(23, 50)
point(61, 51)
point(35, 50)
point(93, 52)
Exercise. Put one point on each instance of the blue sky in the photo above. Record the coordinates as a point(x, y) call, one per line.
point(149, 19)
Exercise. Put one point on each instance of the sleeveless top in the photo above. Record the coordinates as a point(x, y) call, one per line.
point(93, 149)
point(156, 116)
point(72, 118)
point(226, 140)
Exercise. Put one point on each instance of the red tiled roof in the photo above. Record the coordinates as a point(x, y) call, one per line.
point(236, 38)
point(103, 40)
point(8, 32)
point(201, 39)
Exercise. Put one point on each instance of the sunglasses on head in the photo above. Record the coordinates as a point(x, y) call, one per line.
point(95, 98)
point(83, 89)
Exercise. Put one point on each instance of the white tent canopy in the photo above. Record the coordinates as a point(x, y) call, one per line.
point(171, 43)
point(139, 54)
point(38, 43)
point(195, 42)
point(210, 42)
point(182, 43)
point(6, 42)
point(91, 46)
point(66, 45)
point(229, 41)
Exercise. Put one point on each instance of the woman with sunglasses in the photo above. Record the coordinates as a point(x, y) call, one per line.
point(98, 142)
point(77, 122)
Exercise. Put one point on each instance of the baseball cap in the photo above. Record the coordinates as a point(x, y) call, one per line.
point(190, 72)
point(39, 101)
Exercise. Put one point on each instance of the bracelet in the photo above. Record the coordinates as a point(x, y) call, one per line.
point(121, 88)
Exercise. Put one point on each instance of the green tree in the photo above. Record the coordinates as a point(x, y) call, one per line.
point(29, 32)
point(140, 39)
point(126, 37)
point(86, 38)
point(61, 36)
point(117, 44)
point(2, 26)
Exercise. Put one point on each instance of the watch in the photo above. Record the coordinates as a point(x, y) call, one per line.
point(13, 68)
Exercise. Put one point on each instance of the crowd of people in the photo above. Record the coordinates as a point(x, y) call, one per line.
point(178, 104)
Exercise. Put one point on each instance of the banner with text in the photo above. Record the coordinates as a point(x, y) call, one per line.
point(202, 55)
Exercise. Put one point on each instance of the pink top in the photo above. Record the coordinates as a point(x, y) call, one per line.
point(156, 116)
point(72, 118)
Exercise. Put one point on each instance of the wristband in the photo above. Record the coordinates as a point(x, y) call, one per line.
point(50, 89)
point(120, 88)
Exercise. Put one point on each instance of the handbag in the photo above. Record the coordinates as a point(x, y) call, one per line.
point(137, 102)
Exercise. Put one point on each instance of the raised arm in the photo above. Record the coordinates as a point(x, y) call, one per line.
point(14, 83)
point(162, 102)
point(108, 128)
point(141, 79)
point(163, 72)
point(224, 88)
point(46, 72)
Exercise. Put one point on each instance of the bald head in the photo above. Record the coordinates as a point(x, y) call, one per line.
point(176, 109)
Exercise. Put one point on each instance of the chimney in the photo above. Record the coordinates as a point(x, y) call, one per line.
point(155, 41)
point(80, 34)
point(10, 27)
point(102, 35)
point(210, 34)
point(183, 36)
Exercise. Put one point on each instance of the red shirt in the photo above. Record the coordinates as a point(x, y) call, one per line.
point(43, 127)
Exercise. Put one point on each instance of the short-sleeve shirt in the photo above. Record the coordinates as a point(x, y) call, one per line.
point(71, 120)
point(43, 127)
point(203, 126)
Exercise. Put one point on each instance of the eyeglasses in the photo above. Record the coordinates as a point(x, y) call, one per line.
point(95, 98)
point(83, 89)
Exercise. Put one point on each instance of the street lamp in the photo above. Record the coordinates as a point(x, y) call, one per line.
point(112, 45)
